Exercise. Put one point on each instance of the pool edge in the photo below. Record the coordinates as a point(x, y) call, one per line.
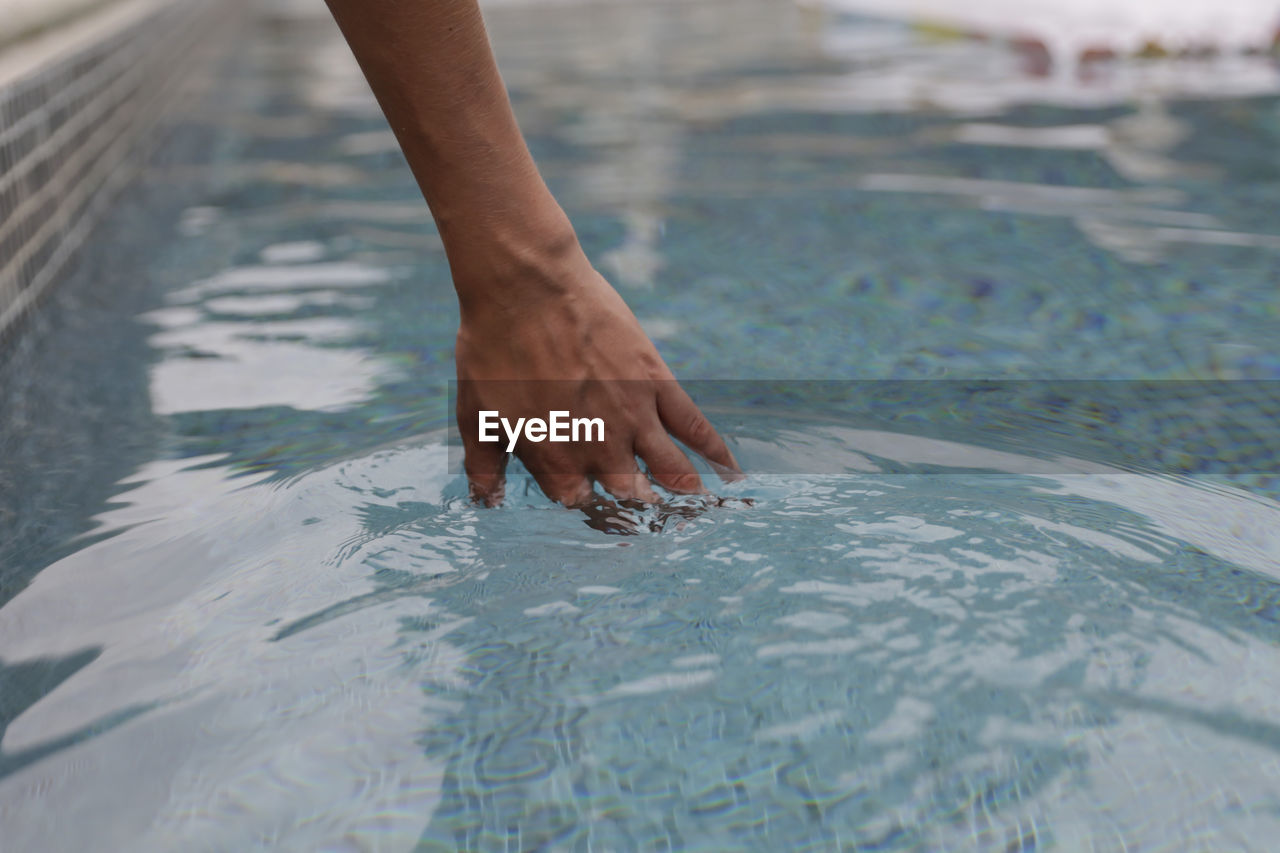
point(81, 107)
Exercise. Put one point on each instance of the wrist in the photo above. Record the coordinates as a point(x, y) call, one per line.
point(503, 269)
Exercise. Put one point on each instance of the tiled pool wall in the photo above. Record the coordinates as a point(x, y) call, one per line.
point(78, 120)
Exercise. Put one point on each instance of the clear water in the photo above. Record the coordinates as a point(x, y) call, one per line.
point(246, 605)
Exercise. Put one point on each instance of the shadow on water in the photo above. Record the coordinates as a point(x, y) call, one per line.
point(24, 684)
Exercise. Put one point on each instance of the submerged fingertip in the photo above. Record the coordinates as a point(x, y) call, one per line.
point(684, 484)
point(730, 475)
point(486, 499)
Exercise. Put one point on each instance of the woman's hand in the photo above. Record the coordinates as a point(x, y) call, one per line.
point(577, 348)
point(541, 330)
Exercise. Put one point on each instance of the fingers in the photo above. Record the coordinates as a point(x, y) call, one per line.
point(560, 476)
point(486, 466)
point(682, 418)
point(565, 478)
point(669, 468)
point(571, 490)
point(565, 474)
point(485, 463)
point(631, 484)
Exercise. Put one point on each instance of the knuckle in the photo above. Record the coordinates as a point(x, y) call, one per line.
point(699, 429)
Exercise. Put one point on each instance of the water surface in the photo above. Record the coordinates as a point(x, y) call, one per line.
point(246, 603)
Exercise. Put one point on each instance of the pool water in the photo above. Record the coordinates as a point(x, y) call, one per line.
point(244, 602)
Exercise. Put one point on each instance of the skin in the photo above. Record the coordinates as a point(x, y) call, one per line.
point(532, 306)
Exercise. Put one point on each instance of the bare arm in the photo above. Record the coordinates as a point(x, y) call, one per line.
point(532, 306)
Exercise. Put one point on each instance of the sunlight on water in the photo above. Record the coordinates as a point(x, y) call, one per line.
point(282, 362)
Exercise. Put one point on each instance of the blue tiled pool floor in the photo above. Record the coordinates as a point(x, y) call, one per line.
point(245, 578)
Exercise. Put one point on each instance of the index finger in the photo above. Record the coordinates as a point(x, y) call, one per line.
point(684, 420)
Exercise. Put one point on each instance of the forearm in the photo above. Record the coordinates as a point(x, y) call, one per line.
point(532, 305)
point(430, 66)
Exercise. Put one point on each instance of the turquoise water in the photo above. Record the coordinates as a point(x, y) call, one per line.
point(245, 603)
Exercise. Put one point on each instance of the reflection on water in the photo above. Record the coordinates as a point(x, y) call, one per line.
point(288, 628)
point(894, 659)
point(264, 362)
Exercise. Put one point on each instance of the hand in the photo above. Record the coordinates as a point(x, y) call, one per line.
point(577, 347)
point(541, 330)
